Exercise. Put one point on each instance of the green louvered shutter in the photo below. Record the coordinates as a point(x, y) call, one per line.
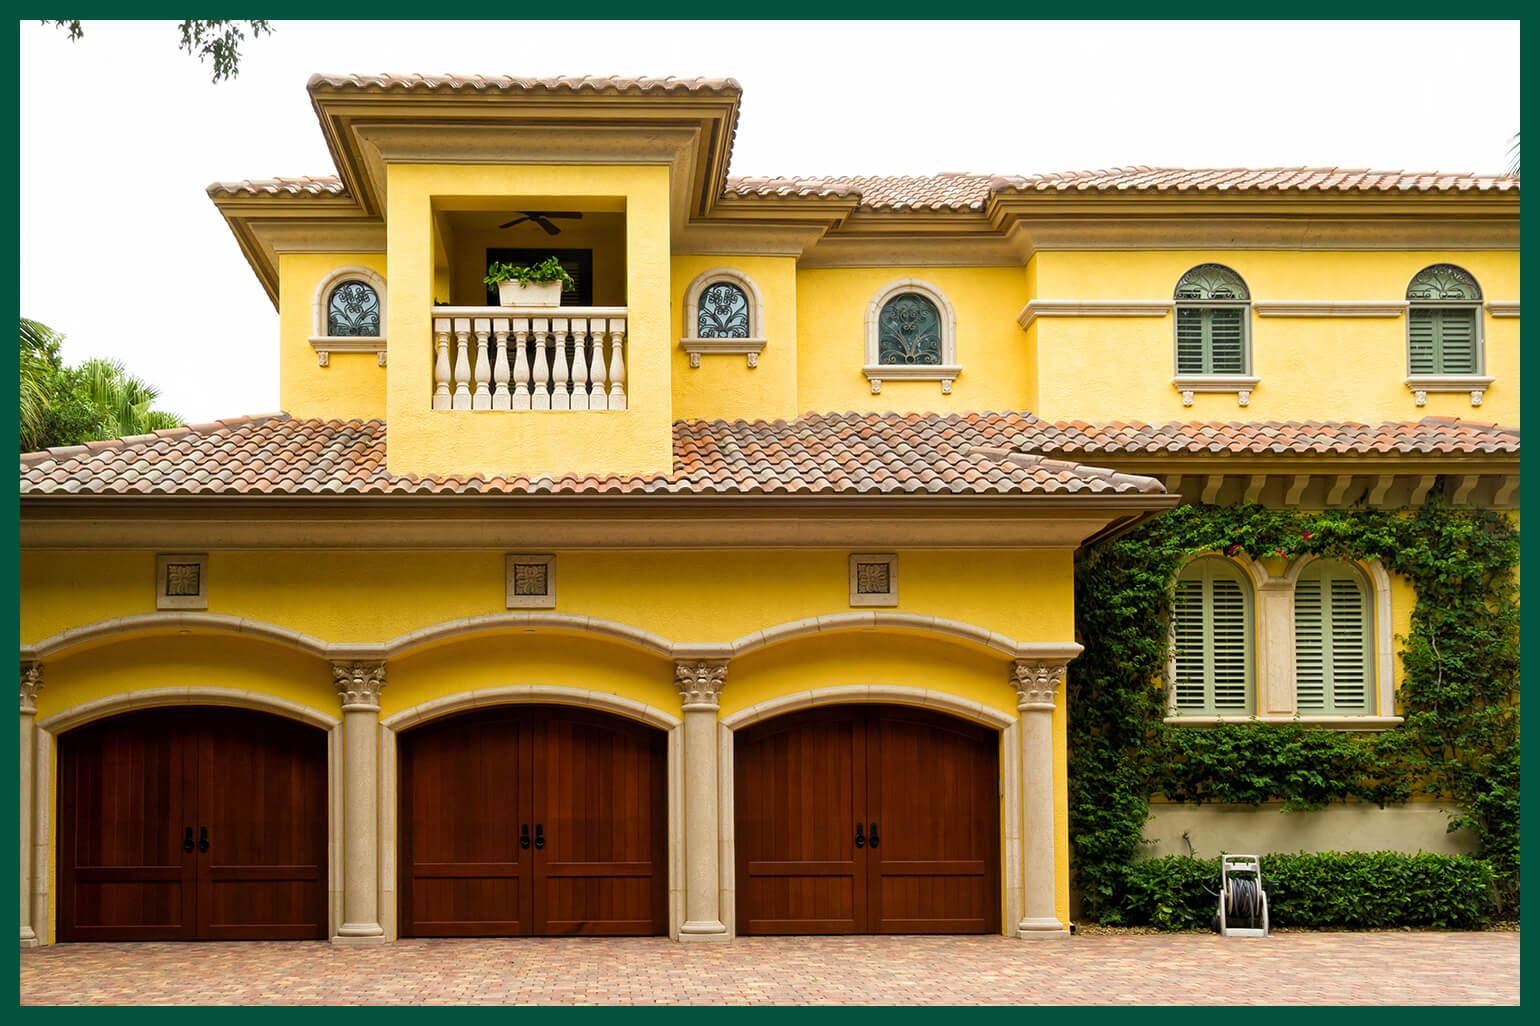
point(1332, 648)
point(1226, 340)
point(1211, 621)
point(1441, 341)
point(1210, 340)
point(1189, 341)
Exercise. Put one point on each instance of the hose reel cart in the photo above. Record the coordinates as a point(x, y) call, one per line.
point(1242, 901)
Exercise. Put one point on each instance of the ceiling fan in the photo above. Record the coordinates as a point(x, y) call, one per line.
point(542, 218)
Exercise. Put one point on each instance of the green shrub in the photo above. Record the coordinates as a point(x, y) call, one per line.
point(1357, 890)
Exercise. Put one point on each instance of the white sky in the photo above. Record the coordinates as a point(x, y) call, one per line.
point(120, 132)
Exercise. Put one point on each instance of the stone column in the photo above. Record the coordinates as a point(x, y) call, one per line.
point(359, 686)
point(1037, 684)
point(31, 681)
point(699, 683)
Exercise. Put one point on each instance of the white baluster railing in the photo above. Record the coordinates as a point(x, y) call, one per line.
point(518, 358)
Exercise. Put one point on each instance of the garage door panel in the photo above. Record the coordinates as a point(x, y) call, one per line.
point(104, 910)
point(468, 906)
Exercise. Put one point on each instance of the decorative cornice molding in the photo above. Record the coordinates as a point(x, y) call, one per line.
point(1036, 308)
point(31, 684)
point(1240, 384)
point(945, 373)
point(747, 347)
point(326, 345)
point(1422, 384)
point(1037, 682)
point(1503, 308)
point(700, 682)
point(359, 684)
point(1322, 308)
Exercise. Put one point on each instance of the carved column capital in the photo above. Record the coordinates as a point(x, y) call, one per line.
point(359, 684)
point(700, 681)
point(1037, 682)
point(31, 683)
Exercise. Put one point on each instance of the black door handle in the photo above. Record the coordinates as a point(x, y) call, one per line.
point(875, 839)
point(203, 839)
point(539, 835)
point(860, 837)
point(187, 841)
point(524, 835)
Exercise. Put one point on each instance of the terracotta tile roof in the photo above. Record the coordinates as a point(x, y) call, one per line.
point(961, 191)
point(837, 453)
point(305, 185)
point(606, 85)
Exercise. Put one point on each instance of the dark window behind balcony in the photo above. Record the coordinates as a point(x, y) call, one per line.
point(578, 262)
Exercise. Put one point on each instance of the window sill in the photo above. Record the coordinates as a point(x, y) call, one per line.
point(326, 345)
point(1330, 722)
point(1422, 384)
point(746, 347)
point(1240, 384)
point(945, 373)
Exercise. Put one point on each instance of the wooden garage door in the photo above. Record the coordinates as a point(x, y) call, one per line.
point(533, 820)
point(867, 819)
point(196, 823)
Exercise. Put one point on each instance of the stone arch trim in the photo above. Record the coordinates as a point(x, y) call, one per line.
point(856, 694)
point(145, 622)
point(511, 694)
point(611, 630)
point(367, 275)
point(146, 698)
point(692, 296)
point(938, 626)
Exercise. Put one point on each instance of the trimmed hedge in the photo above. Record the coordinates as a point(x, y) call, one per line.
point(1358, 890)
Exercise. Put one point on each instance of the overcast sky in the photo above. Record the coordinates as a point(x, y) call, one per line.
point(120, 133)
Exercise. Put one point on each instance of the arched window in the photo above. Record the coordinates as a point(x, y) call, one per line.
point(911, 334)
point(353, 310)
point(1211, 623)
point(723, 312)
point(1443, 322)
point(1213, 322)
point(1333, 646)
point(909, 331)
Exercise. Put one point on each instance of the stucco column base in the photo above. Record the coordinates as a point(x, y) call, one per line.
point(691, 933)
point(1041, 926)
point(351, 935)
point(28, 938)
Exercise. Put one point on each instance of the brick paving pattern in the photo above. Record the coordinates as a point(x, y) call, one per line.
point(1286, 969)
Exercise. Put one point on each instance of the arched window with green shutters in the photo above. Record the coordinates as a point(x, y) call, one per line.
point(1333, 640)
point(1213, 322)
point(1211, 623)
point(1443, 322)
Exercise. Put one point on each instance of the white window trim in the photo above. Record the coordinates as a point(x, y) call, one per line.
point(750, 347)
point(1273, 680)
point(1241, 384)
point(324, 344)
point(946, 372)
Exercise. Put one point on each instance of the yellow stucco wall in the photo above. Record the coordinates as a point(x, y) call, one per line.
point(991, 347)
point(424, 441)
point(724, 385)
point(353, 384)
point(1328, 368)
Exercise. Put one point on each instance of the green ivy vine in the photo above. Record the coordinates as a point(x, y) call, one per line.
point(1459, 693)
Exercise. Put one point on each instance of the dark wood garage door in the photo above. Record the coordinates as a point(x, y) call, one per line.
point(194, 823)
point(867, 819)
point(533, 820)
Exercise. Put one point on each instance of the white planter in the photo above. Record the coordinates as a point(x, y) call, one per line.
point(535, 293)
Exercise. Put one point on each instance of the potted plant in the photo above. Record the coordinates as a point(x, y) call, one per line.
point(532, 285)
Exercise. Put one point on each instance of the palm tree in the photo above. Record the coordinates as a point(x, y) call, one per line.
point(1513, 152)
point(39, 359)
point(125, 398)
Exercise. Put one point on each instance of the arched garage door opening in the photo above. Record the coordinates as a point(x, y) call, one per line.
point(529, 820)
point(192, 823)
point(867, 819)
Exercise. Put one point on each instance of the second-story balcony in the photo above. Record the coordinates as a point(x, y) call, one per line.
point(529, 358)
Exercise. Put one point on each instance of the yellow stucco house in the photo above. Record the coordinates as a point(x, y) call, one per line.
point(733, 593)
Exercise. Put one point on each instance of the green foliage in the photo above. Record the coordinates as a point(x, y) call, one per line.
point(1459, 693)
point(549, 269)
point(1358, 890)
point(62, 405)
point(218, 40)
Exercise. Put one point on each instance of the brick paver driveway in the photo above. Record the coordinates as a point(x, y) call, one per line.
point(1288, 968)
